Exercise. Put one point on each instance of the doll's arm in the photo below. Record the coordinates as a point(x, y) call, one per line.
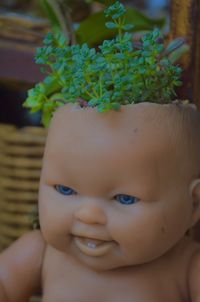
point(3, 296)
point(194, 278)
point(20, 268)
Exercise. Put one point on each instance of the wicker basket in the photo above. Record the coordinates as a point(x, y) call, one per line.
point(21, 152)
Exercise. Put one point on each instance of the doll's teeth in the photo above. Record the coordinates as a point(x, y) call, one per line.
point(91, 245)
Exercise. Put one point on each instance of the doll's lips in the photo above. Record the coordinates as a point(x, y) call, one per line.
point(92, 247)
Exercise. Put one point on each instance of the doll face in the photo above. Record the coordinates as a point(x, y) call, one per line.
point(112, 197)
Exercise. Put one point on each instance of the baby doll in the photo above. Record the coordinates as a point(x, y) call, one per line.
point(118, 193)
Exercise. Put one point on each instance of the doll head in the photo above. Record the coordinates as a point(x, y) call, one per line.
point(120, 188)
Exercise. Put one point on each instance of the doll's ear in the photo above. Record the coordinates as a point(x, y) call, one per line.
point(195, 194)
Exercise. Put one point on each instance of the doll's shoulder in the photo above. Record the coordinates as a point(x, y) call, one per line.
point(29, 246)
point(23, 259)
point(26, 254)
point(194, 273)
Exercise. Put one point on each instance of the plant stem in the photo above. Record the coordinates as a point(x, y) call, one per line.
point(100, 86)
point(87, 92)
point(88, 81)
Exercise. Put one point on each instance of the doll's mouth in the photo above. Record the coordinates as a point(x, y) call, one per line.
point(92, 247)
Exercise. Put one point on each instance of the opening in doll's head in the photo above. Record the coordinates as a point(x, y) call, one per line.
point(93, 163)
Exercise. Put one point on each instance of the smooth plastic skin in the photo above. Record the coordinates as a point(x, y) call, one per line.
point(118, 192)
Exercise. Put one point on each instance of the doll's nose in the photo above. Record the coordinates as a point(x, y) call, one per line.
point(90, 213)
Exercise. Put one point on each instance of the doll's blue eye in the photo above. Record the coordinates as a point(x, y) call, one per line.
point(65, 190)
point(126, 199)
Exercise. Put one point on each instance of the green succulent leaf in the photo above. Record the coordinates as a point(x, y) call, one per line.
point(111, 25)
point(127, 27)
point(115, 11)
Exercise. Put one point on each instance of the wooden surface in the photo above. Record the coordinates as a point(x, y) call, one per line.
point(185, 22)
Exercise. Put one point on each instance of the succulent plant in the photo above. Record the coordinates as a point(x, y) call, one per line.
point(118, 72)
